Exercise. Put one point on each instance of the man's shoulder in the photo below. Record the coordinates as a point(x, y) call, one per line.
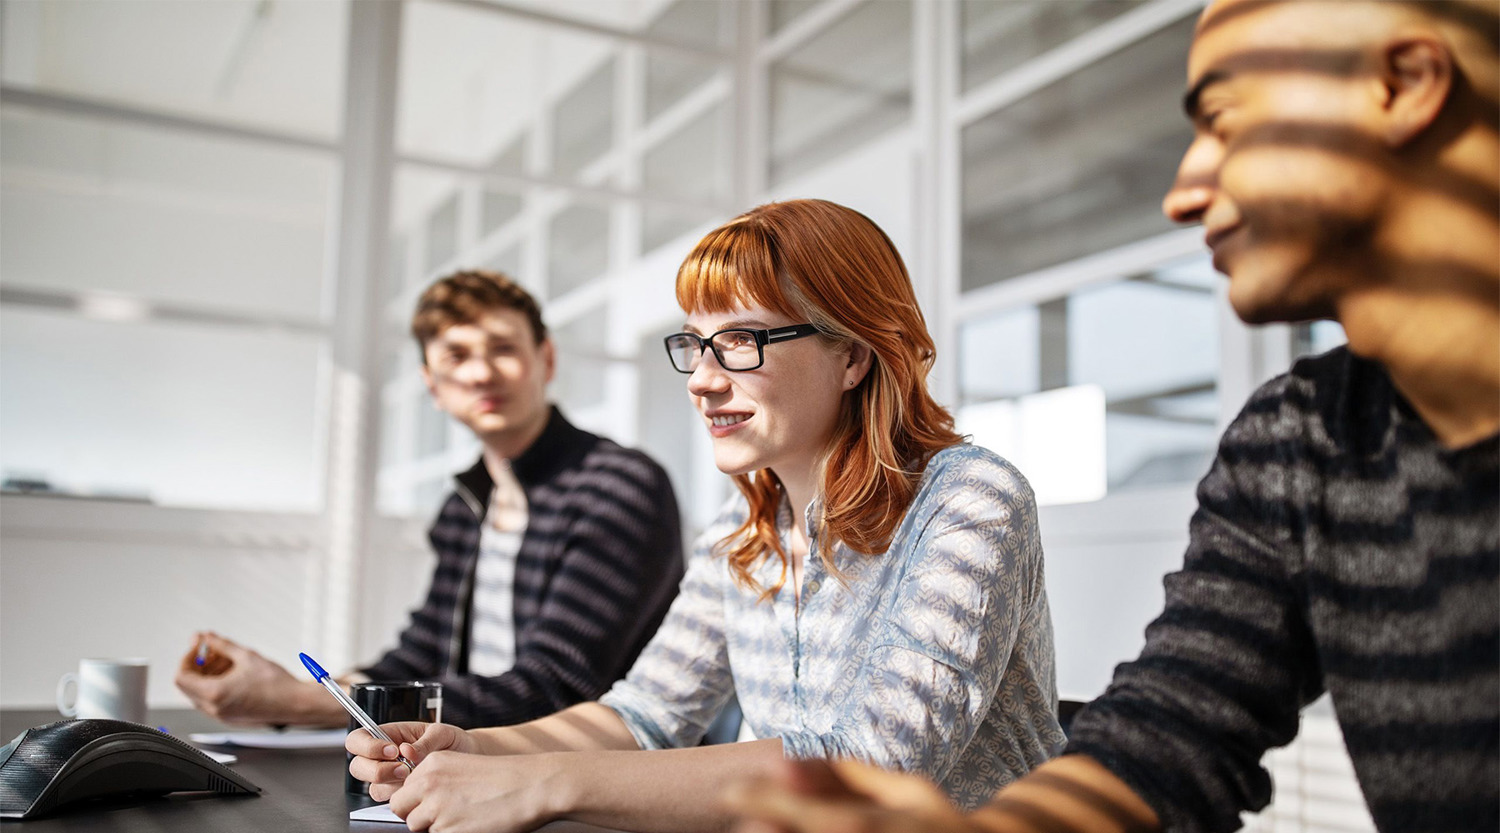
point(609, 458)
point(607, 469)
point(1336, 401)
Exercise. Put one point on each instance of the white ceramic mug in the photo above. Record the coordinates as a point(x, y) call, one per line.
point(114, 689)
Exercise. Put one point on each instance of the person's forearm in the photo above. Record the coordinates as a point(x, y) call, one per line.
point(1070, 793)
point(581, 728)
point(665, 791)
point(311, 705)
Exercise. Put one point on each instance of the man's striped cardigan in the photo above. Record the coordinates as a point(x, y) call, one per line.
point(1337, 546)
point(597, 569)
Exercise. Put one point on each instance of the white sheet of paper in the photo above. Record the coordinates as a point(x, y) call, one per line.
point(321, 739)
point(379, 812)
point(222, 757)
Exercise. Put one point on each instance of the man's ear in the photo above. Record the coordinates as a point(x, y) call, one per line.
point(549, 358)
point(1418, 78)
point(427, 380)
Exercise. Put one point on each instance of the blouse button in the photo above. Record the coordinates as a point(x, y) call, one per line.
point(813, 586)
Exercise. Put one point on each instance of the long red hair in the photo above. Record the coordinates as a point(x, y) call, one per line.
point(817, 261)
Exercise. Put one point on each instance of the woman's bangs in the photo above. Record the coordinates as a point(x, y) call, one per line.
point(730, 267)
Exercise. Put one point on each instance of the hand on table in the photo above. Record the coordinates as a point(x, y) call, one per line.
point(841, 797)
point(453, 788)
point(237, 685)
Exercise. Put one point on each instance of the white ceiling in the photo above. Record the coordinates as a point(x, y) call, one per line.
point(276, 64)
point(468, 78)
point(469, 82)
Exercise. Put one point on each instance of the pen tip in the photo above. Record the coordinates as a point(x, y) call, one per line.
point(313, 667)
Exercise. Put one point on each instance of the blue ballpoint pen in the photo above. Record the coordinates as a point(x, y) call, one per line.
point(349, 705)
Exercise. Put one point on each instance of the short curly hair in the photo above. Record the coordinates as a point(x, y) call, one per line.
point(466, 296)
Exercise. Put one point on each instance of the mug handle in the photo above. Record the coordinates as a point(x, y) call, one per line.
point(62, 686)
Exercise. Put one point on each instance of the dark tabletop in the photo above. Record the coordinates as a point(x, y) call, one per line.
point(303, 791)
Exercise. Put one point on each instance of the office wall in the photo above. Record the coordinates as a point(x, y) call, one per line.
point(88, 578)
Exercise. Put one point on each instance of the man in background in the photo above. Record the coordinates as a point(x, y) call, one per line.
point(558, 552)
point(1345, 166)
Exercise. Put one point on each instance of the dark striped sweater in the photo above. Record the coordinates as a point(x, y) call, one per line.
point(597, 569)
point(1337, 546)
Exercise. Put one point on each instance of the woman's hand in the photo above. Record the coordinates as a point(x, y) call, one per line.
point(375, 761)
point(465, 793)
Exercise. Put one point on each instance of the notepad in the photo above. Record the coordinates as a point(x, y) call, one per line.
point(379, 812)
point(321, 739)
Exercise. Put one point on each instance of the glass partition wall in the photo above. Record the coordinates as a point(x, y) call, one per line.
point(580, 147)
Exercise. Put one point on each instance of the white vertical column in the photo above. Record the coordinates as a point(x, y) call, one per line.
point(630, 121)
point(935, 263)
point(373, 55)
point(750, 119)
point(541, 203)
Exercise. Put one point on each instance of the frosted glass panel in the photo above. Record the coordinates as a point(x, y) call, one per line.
point(1149, 343)
point(783, 12)
point(1143, 337)
point(213, 224)
point(671, 74)
point(998, 355)
point(1078, 167)
point(583, 126)
point(999, 35)
point(578, 246)
point(581, 361)
point(846, 85)
point(512, 160)
point(692, 164)
point(507, 262)
point(498, 208)
point(424, 211)
point(175, 414)
point(396, 273)
point(472, 82)
point(432, 430)
point(442, 234)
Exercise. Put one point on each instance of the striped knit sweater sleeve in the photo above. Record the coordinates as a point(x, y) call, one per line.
point(1337, 546)
point(598, 567)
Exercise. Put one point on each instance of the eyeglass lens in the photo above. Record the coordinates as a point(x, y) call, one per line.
point(735, 350)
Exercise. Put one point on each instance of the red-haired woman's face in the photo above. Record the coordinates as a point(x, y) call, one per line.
point(779, 416)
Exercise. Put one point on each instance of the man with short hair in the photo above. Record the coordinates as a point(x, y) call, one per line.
point(1345, 165)
point(559, 552)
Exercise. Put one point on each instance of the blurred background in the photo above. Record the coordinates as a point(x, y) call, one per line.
point(216, 216)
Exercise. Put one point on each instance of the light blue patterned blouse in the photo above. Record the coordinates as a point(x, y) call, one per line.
point(935, 657)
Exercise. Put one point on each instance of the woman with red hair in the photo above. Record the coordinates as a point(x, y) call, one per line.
point(874, 591)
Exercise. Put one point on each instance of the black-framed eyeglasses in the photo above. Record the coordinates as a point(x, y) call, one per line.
point(735, 348)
